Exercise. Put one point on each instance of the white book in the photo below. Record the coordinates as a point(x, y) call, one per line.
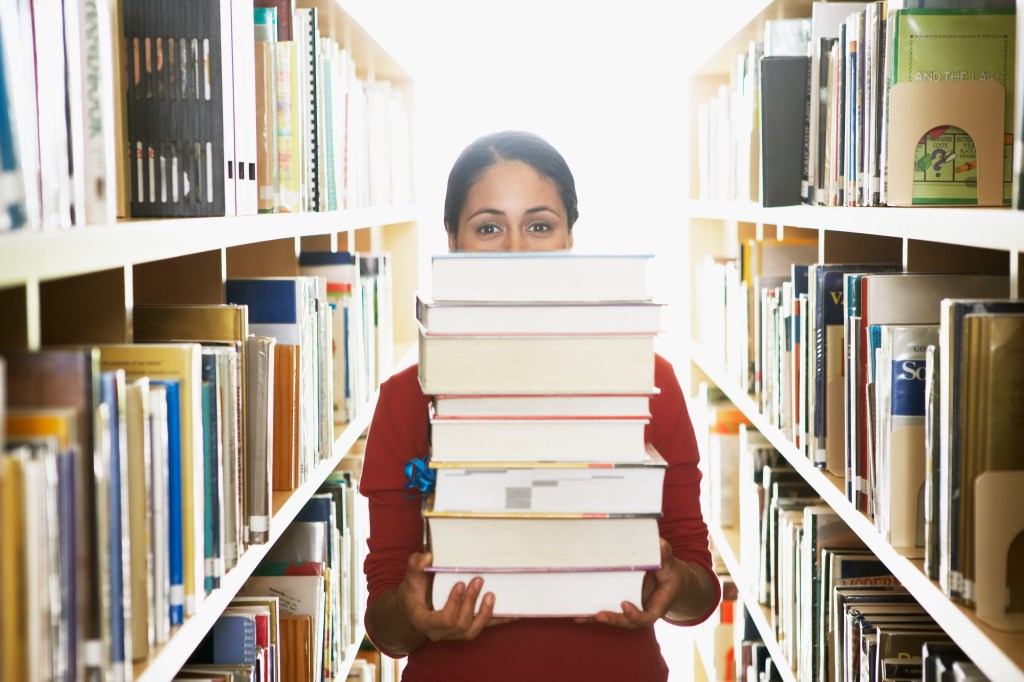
point(91, 93)
point(540, 276)
point(541, 440)
point(547, 593)
point(558, 487)
point(900, 456)
point(52, 102)
point(438, 317)
point(243, 42)
point(486, 365)
point(18, 43)
point(543, 405)
point(534, 541)
point(228, 113)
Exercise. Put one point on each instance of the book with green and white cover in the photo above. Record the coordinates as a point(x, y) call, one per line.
point(937, 45)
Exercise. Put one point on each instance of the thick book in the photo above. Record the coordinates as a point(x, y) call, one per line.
point(784, 104)
point(447, 317)
point(557, 487)
point(534, 365)
point(540, 440)
point(543, 405)
point(546, 594)
point(542, 541)
point(540, 276)
point(286, 417)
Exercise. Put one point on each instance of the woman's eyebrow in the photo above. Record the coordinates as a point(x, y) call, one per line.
point(541, 209)
point(486, 211)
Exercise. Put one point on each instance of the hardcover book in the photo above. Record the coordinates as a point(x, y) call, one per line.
point(940, 45)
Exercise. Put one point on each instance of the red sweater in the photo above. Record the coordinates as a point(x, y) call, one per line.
point(527, 649)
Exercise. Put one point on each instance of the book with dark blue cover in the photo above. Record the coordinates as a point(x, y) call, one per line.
point(234, 639)
point(270, 300)
point(175, 535)
point(112, 396)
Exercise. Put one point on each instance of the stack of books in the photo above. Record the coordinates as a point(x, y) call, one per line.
point(540, 367)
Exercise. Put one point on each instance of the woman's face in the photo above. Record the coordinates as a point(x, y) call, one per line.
point(512, 208)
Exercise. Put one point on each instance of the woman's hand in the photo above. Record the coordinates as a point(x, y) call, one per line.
point(676, 589)
point(456, 620)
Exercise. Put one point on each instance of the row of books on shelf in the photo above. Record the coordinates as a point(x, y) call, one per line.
point(902, 385)
point(296, 618)
point(835, 610)
point(541, 479)
point(148, 468)
point(868, 103)
point(209, 109)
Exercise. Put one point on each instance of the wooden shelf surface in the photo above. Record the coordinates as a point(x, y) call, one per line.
point(727, 542)
point(989, 228)
point(1000, 655)
point(32, 256)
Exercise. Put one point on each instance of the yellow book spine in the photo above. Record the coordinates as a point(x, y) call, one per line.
point(12, 571)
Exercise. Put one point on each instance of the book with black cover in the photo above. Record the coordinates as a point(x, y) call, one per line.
point(177, 128)
point(783, 121)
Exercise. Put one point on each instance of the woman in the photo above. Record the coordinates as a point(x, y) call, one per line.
point(512, 191)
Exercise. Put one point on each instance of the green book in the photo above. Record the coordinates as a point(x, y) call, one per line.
point(954, 44)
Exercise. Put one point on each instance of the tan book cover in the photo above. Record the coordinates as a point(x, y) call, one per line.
point(286, 417)
point(13, 642)
point(139, 519)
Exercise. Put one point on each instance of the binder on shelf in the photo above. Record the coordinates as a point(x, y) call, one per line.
point(783, 120)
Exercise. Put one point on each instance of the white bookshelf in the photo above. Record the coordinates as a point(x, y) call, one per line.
point(79, 286)
point(727, 542)
point(1000, 655)
point(922, 239)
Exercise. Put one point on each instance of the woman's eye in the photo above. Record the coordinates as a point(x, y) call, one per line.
point(488, 228)
point(540, 227)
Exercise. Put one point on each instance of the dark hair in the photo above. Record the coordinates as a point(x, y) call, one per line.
point(510, 145)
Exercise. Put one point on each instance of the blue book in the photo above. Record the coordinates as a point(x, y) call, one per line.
point(12, 203)
point(175, 535)
point(112, 396)
point(234, 639)
point(273, 303)
point(211, 469)
point(67, 520)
